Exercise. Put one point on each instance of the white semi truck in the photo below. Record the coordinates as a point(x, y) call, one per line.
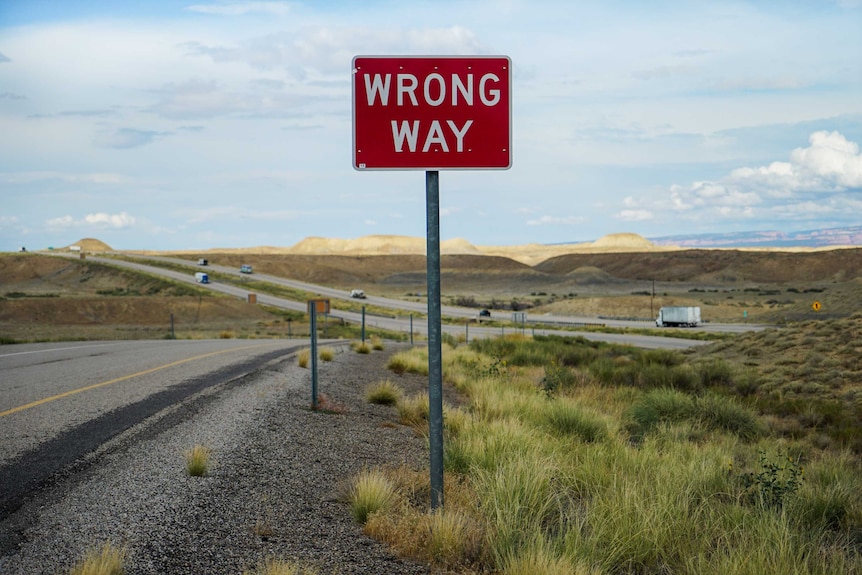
point(202, 278)
point(678, 316)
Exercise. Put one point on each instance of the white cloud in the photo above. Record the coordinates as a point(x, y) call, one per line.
point(98, 220)
point(315, 50)
point(555, 220)
point(235, 214)
point(830, 165)
point(635, 215)
point(28, 177)
point(124, 138)
point(242, 8)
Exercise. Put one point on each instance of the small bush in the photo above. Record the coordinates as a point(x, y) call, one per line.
point(225, 334)
point(414, 410)
point(197, 460)
point(360, 347)
point(567, 419)
point(660, 406)
point(108, 560)
point(279, 567)
point(715, 373)
point(303, 357)
point(326, 354)
point(371, 492)
point(408, 362)
point(774, 482)
point(376, 343)
point(719, 412)
point(383, 393)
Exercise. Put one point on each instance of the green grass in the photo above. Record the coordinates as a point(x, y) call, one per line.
point(554, 482)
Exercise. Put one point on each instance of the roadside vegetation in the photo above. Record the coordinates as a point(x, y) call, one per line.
point(197, 460)
point(572, 456)
point(105, 560)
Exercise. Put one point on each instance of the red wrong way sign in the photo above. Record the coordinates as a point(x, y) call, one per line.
point(432, 113)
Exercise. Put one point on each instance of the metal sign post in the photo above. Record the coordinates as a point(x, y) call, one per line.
point(432, 113)
point(435, 330)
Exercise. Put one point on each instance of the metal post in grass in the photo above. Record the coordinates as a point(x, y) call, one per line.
point(411, 329)
point(467, 331)
point(435, 349)
point(173, 334)
point(363, 324)
point(312, 311)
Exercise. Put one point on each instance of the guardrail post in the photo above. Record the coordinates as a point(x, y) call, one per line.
point(313, 313)
point(363, 324)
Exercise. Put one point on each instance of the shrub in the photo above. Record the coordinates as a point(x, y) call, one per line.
point(360, 347)
point(557, 377)
point(197, 460)
point(371, 492)
point(567, 419)
point(303, 357)
point(225, 334)
point(414, 410)
point(774, 482)
point(718, 412)
point(383, 393)
point(409, 362)
point(326, 354)
point(108, 560)
point(660, 406)
point(376, 343)
point(716, 373)
point(279, 567)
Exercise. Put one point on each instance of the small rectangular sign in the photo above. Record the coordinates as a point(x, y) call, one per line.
point(432, 113)
point(318, 305)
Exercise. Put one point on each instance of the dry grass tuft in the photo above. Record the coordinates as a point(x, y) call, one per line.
point(414, 411)
point(108, 560)
point(326, 354)
point(197, 460)
point(325, 404)
point(383, 393)
point(371, 492)
point(360, 347)
point(280, 567)
point(303, 357)
point(376, 343)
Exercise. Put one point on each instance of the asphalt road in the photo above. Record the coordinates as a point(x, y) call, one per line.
point(419, 324)
point(61, 401)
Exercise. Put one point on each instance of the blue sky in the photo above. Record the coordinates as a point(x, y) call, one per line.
point(182, 125)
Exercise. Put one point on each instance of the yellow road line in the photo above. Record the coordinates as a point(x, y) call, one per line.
point(125, 377)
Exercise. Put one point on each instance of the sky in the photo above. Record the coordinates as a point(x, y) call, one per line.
point(167, 124)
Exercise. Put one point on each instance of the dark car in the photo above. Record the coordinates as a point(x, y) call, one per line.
point(484, 313)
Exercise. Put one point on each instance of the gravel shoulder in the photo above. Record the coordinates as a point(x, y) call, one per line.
point(270, 493)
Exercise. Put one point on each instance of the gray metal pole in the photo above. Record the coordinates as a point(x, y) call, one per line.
point(173, 334)
point(411, 329)
point(313, 356)
point(467, 331)
point(435, 350)
point(363, 324)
